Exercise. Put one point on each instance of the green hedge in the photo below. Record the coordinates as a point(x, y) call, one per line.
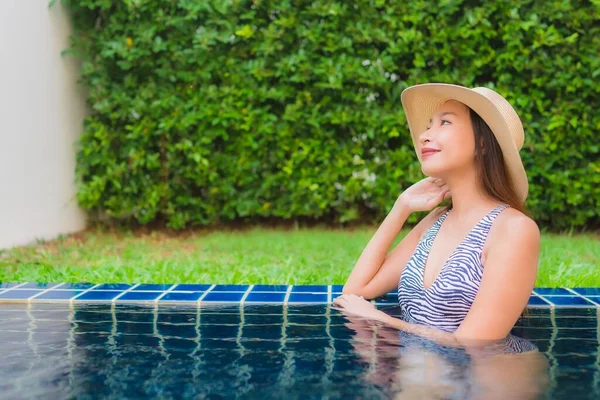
point(208, 111)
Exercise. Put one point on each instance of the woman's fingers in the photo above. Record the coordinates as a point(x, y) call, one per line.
point(346, 298)
point(435, 180)
point(340, 300)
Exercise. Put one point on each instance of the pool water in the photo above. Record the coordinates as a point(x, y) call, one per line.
point(281, 352)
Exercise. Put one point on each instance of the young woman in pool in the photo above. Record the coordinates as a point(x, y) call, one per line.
point(465, 272)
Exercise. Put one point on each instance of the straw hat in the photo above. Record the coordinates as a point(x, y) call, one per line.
point(420, 102)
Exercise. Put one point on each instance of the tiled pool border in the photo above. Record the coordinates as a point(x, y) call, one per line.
point(33, 292)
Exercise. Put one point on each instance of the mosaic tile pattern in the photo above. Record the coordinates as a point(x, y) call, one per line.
point(243, 294)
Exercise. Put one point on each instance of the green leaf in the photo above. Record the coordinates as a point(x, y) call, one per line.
point(246, 32)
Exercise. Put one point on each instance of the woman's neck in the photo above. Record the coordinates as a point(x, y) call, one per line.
point(468, 202)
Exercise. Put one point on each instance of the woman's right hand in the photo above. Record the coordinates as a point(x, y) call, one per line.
point(424, 195)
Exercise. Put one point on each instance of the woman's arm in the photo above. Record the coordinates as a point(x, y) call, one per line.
point(374, 254)
point(375, 273)
point(439, 336)
point(384, 276)
point(359, 307)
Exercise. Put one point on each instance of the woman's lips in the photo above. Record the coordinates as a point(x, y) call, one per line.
point(428, 154)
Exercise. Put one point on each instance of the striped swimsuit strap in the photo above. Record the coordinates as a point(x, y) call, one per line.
point(472, 242)
point(482, 227)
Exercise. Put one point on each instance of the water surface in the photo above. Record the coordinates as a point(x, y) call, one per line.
point(278, 352)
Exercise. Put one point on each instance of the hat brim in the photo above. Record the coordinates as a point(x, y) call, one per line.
point(420, 102)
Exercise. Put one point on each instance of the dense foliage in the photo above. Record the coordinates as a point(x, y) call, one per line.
point(214, 110)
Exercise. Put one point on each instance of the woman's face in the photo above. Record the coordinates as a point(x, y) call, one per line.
point(449, 131)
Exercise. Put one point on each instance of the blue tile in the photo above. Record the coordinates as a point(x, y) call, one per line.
point(537, 301)
point(552, 292)
point(230, 288)
point(139, 296)
point(269, 288)
point(192, 287)
point(77, 286)
point(19, 294)
point(265, 297)
point(309, 289)
point(595, 299)
point(113, 286)
point(307, 298)
point(9, 284)
point(93, 295)
point(337, 288)
point(588, 291)
point(39, 285)
point(569, 301)
point(152, 286)
point(58, 295)
point(181, 296)
point(225, 297)
point(334, 295)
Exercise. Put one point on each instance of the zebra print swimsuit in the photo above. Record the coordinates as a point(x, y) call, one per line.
point(447, 301)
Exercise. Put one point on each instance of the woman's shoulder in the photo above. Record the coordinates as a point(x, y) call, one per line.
point(511, 220)
point(513, 223)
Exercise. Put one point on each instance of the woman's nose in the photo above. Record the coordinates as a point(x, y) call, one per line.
point(424, 137)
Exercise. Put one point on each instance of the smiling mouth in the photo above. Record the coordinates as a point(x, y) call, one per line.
point(429, 153)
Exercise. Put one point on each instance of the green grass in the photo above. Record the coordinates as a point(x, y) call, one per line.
point(252, 256)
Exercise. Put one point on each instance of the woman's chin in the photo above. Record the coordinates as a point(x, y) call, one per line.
point(430, 170)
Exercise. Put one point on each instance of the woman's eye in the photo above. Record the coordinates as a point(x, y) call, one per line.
point(441, 123)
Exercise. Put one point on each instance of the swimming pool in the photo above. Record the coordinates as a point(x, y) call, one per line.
point(215, 350)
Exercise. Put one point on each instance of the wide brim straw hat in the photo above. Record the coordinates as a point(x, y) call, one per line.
point(420, 102)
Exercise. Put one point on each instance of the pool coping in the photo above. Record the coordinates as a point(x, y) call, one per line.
point(144, 293)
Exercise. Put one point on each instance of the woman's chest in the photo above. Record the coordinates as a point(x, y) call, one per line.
point(447, 301)
point(462, 271)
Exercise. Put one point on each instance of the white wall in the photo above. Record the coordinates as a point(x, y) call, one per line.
point(41, 115)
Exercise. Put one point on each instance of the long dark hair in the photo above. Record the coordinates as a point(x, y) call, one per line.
point(491, 170)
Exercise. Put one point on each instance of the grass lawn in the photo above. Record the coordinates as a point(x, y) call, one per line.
point(251, 256)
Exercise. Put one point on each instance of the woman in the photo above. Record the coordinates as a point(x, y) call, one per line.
point(465, 272)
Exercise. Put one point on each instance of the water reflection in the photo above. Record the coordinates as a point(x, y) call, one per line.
point(415, 367)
